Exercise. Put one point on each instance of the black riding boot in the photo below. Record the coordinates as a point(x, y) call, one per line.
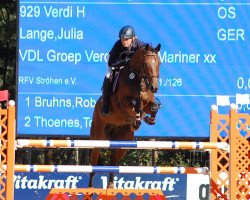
point(106, 110)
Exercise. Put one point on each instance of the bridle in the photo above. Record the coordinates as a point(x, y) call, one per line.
point(144, 77)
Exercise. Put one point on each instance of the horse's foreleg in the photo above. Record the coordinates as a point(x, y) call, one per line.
point(138, 115)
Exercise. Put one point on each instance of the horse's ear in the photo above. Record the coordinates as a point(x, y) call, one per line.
point(147, 47)
point(157, 49)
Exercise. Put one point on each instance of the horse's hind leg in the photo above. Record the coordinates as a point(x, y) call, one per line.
point(121, 133)
point(96, 133)
point(116, 157)
point(94, 160)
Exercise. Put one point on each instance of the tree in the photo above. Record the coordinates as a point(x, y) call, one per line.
point(8, 43)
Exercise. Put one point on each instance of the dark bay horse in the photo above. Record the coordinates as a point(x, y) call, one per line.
point(132, 101)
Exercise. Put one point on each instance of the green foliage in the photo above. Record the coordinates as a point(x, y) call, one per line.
point(173, 158)
point(138, 157)
point(8, 43)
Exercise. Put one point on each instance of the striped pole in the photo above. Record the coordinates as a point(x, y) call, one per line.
point(21, 143)
point(109, 169)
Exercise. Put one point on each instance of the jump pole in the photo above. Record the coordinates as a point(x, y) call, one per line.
point(111, 169)
point(90, 144)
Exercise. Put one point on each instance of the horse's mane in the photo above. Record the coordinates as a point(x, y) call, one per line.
point(148, 46)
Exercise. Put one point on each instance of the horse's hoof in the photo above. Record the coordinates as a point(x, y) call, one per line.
point(111, 185)
point(149, 120)
point(145, 119)
point(138, 123)
point(134, 127)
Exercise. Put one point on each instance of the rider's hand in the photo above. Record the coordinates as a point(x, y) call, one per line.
point(124, 63)
point(121, 64)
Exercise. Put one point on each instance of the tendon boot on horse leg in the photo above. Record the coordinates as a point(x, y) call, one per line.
point(106, 110)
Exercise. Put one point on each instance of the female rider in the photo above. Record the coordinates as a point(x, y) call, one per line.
point(128, 43)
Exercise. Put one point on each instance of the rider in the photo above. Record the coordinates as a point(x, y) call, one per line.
point(128, 42)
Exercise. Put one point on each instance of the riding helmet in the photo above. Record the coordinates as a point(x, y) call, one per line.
point(127, 32)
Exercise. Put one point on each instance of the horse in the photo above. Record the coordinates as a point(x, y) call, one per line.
point(132, 100)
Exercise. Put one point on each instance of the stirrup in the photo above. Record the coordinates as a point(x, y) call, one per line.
point(106, 110)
